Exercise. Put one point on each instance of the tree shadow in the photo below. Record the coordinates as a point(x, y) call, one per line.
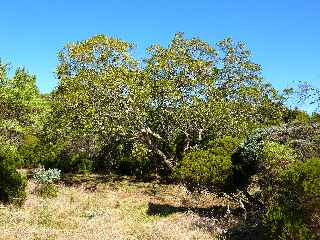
point(164, 210)
point(251, 228)
point(247, 232)
point(213, 218)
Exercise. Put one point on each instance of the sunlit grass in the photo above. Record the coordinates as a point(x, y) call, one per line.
point(107, 210)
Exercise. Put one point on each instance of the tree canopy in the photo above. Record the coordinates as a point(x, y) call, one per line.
point(170, 102)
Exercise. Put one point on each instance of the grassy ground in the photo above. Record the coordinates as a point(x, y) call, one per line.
point(94, 207)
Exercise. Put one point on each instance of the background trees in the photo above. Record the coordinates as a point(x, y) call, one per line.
point(21, 114)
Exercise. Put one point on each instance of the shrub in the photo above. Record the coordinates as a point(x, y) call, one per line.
point(306, 148)
point(76, 163)
point(303, 139)
point(274, 157)
point(293, 209)
point(48, 191)
point(46, 179)
point(202, 169)
point(49, 176)
point(29, 152)
point(59, 156)
point(245, 158)
point(137, 162)
point(224, 146)
point(12, 183)
point(279, 157)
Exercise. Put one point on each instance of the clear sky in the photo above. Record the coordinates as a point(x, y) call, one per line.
point(283, 35)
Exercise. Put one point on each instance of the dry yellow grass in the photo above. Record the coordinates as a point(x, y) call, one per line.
point(110, 210)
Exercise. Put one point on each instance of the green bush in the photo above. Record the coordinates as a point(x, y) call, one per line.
point(12, 183)
point(76, 163)
point(303, 139)
point(202, 169)
point(285, 161)
point(58, 156)
point(293, 209)
point(111, 154)
point(30, 155)
point(245, 159)
point(136, 163)
point(121, 156)
point(47, 155)
point(306, 148)
point(274, 157)
point(224, 146)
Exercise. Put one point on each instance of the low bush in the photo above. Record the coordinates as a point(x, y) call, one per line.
point(58, 156)
point(285, 161)
point(46, 180)
point(49, 176)
point(303, 139)
point(48, 191)
point(75, 163)
point(202, 169)
point(274, 157)
point(136, 163)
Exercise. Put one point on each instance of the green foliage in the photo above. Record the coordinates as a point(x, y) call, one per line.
point(28, 151)
point(76, 163)
point(49, 176)
point(293, 210)
point(12, 183)
point(137, 162)
point(46, 179)
point(224, 146)
point(302, 138)
point(245, 159)
point(201, 169)
point(22, 106)
point(315, 118)
point(278, 157)
point(275, 157)
point(296, 115)
point(179, 96)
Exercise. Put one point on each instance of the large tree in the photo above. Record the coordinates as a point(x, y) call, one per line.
point(169, 103)
point(198, 91)
point(98, 95)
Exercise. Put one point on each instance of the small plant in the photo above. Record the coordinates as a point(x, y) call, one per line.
point(48, 191)
point(46, 179)
point(49, 176)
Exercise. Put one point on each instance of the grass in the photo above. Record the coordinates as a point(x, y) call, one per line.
point(94, 207)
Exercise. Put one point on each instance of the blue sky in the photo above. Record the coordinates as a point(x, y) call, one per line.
point(284, 36)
